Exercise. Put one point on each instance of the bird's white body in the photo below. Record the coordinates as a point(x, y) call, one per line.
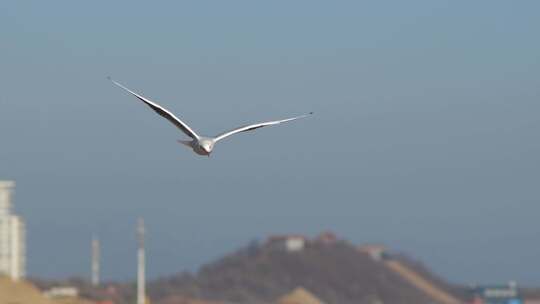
point(200, 144)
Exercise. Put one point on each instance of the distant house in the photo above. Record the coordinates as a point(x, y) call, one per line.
point(289, 243)
point(503, 294)
point(62, 292)
point(375, 251)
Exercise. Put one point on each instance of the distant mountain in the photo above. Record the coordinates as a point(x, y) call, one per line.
point(334, 271)
point(285, 269)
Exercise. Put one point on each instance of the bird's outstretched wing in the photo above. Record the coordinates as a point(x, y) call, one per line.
point(256, 126)
point(163, 112)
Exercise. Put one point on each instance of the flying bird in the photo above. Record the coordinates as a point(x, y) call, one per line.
point(202, 145)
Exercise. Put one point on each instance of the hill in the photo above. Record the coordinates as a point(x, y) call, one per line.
point(323, 270)
point(336, 272)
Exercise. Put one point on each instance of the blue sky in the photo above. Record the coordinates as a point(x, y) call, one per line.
point(425, 136)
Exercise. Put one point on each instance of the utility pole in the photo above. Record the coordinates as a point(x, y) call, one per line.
point(141, 296)
point(95, 261)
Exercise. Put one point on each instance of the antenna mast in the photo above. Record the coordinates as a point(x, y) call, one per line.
point(95, 261)
point(141, 296)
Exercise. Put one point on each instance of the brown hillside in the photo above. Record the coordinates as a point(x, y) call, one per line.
point(337, 273)
point(299, 296)
point(25, 293)
point(20, 293)
point(184, 300)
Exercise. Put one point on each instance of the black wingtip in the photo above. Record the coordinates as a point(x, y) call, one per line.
point(109, 77)
point(310, 113)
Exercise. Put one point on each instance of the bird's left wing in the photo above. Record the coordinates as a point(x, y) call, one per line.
point(162, 112)
point(256, 126)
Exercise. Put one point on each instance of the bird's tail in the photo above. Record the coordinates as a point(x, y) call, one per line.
point(186, 143)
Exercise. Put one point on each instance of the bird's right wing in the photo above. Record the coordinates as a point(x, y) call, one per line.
point(162, 112)
point(256, 126)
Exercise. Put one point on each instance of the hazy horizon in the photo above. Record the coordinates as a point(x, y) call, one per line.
point(424, 138)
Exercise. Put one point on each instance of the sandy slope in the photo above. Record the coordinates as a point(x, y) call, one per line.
point(25, 293)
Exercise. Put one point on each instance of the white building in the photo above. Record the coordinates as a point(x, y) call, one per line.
point(375, 251)
point(12, 236)
point(289, 243)
point(295, 243)
point(62, 292)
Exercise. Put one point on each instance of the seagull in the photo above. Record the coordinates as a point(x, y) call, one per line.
point(202, 145)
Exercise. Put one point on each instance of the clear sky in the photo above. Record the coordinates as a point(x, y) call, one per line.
point(425, 136)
